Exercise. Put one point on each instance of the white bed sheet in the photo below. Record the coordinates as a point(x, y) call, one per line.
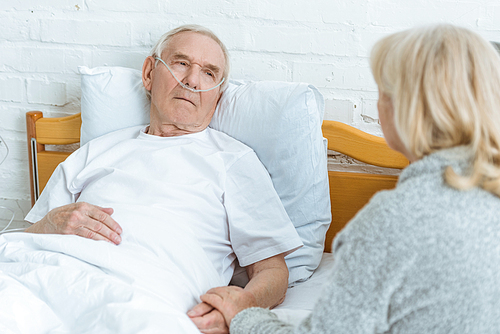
point(69, 284)
point(301, 298)
point(43, 277)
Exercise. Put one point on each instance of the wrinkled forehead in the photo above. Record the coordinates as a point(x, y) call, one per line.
point(196, 47)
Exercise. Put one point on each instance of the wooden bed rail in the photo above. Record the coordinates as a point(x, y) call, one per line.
point(48, 131)
point(361, 146)
point(350, 191)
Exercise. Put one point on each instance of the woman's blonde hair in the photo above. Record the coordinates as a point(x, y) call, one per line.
point(444, 83)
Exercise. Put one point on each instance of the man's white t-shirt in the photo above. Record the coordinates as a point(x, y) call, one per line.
point(205, 184)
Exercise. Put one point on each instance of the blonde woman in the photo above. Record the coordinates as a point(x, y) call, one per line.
point(424, 257)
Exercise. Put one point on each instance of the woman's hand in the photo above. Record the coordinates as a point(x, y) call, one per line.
point(229, 300)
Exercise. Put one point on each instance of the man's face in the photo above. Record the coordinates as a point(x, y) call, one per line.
point(192, 57)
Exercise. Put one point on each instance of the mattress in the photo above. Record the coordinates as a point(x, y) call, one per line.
point(301, 298)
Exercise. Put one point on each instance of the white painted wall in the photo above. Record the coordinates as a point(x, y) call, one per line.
point(323, 42)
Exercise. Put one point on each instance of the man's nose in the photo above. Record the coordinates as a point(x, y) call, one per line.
point(192, 77)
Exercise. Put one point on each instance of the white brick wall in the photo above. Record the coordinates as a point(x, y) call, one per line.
point(322, 42)
point(11, 89)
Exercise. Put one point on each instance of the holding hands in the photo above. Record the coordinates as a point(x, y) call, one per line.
point(229, 301)
point(268, 281)
point(208, 319)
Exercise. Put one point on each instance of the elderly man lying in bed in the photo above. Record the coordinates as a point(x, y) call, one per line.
point(187, 198)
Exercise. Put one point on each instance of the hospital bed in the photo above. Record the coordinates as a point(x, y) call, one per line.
point(348, 191)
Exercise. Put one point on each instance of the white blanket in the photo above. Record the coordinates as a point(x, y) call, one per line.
point(69, 284)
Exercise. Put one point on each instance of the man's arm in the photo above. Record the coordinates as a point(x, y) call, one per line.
point(83, 219)
point(268, 282)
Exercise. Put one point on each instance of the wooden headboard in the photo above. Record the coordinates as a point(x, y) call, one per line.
point(349, 191)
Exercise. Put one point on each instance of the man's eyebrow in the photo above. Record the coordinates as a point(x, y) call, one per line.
point(211, 67)
point(180, 56)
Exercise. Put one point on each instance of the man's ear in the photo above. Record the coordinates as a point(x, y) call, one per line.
point(147, 72)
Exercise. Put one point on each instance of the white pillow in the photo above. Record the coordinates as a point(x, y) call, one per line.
point(113, 98)
point(280, 121)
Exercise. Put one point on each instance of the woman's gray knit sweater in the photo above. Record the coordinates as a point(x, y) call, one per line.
point(422, 258)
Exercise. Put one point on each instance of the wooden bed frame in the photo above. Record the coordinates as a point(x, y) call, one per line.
point(349, 191)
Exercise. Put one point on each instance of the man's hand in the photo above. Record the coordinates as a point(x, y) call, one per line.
point(229, 300)
point(208, 320)
point(266, 288)
point(83, 219)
